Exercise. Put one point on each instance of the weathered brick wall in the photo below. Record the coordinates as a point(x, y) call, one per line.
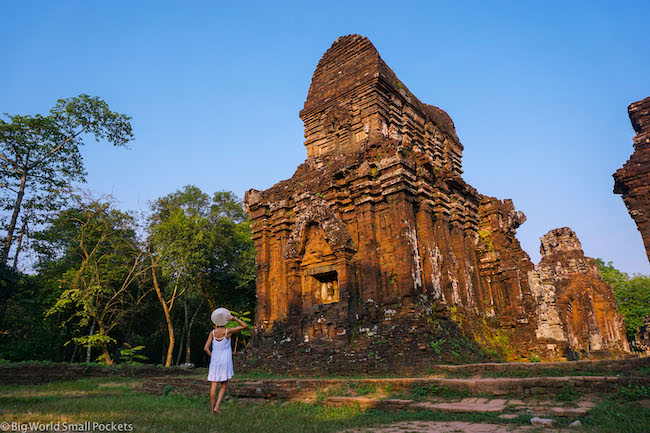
point(584, 303)
point(378, 211)
point(537, 379)
point(34, 374)
point(632, 181)
point(642, 340)
point(378, 218)
point(503, 269)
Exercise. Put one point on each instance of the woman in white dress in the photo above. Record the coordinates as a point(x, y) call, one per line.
point(219, 350)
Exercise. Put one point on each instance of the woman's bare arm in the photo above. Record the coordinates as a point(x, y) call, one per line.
point(242, 325)
point(208, 342)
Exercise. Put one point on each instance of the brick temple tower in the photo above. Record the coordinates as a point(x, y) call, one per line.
point(377, 213)
point(378, 222)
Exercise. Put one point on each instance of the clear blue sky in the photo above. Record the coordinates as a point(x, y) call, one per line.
point(538, 92)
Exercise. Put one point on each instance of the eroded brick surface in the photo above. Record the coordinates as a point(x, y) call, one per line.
point(584, 303)
point(503, 268)
point(376, 242)
point(632, 181)
point(642, 340)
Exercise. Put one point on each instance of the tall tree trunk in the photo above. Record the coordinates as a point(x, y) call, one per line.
point(180, 344)
point(189, 332)
point(91, 333)
point(3, 309)
point(187, 346)
point(106, 355)
point(74, 352)
point(104, 347)
point(14, 218)
point(186, 323)
point(168, 319)
point(23, 230)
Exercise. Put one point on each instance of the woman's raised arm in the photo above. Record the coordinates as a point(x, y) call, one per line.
point(242, 324)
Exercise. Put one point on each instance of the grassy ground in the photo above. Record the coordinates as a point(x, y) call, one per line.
point(116, 400)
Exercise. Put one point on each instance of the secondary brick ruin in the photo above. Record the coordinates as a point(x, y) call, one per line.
point(632, 181)
point(564, 303)
point(583, 302)
point(642, 339)
point(376, 233)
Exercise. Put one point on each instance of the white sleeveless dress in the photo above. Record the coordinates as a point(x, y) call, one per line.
point(221, 360)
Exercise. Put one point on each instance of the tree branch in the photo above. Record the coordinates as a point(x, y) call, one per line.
point(56, 149)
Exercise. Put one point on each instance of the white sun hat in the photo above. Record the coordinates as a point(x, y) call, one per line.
point(219, 316)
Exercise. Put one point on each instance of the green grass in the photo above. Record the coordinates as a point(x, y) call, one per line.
point(419, 393)
point(100, 400)
point(118, 400)
point(340, 389)
point(568, 394)
point(615, 416)
point(365, 389)
point(633, 392)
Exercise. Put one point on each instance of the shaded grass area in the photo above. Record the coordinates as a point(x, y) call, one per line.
point(420, 393)
point(116, 400)
point(97, 401)
point(613, 416)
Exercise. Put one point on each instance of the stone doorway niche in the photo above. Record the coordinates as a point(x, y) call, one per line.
point(319, 253)
point(320, 273)
point(323, 284)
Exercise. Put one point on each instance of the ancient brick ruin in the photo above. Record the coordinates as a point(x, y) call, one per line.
point(632, 181)
point(642, 339)
point(503, 269)
point(563, 302)
point(584, 303)
point(377, 235)
point(369, 217)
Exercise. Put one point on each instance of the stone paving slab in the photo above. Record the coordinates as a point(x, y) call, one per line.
point(467, 405)
point(449, 427)
point(459, 407)
point(573, 412)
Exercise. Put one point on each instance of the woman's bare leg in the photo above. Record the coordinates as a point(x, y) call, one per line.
point(213, 394)
point(222, 392)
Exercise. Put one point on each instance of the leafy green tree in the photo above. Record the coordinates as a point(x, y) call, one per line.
point(245, 316)
point(92, 251)
point(201, 246)
point(180, 237)
point(231, 278)
point(132, 355)
point(27, 334)
point(9, 284)
point(632, 295)
point(40, 157)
